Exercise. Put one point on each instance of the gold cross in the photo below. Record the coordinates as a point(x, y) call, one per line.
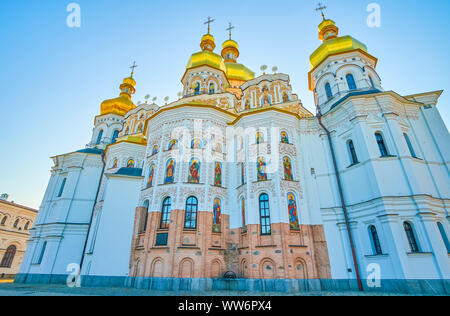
point(133, 67)
point(321, 8)
point(230, 28)
point(209, 23)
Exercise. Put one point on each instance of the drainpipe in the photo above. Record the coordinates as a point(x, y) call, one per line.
point(341, 195)
point(92, 213)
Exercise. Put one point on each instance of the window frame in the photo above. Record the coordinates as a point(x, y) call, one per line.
point(411, 237)
point(265, 223)
point(375, 240)
point(352, 152)
point(351, 83)
point(191, 212)
point(381, 144)
point(165, 213)
point(8, 257)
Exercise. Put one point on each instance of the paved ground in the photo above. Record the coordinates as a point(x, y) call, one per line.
point(11, 289)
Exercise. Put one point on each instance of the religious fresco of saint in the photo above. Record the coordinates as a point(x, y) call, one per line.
point(194, 171)
point(218, 174)
point(259, 138)
point(196, 143)
point(130, 163)
point(155, 150)
point(217, 211)
point(261, 168)
point(285, 97)
point(244, 223)
point(284, 138)
point(247, 104)
point(151, 176)
point(293, 214)
point(196, 88)
point(287, 169)
point(173, 144)
point(170, 172)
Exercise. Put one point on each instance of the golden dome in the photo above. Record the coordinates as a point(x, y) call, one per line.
point(332, 44)
point(237, 71)
point(206, 58)
point(230, 43)
point(123, 104)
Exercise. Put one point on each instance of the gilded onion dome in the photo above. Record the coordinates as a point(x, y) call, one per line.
point(235, 71)
point(123, 103)
point(206, 57)
point(332, 44)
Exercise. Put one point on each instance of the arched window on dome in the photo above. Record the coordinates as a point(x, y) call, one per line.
point(328, 91)
point(212, 88)
point(351, 82)
point(196, 88)
point(8, 257)
point(100, 136)
point(115, 135)
point(3, 222)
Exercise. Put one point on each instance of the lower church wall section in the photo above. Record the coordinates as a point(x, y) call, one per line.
point(288, 286)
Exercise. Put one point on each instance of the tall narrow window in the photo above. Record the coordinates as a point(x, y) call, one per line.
point(190, 219)
point(381, 145)
point(328, 91)
point(444, 236)
point(372, 85)
point(410, 146)
point(244, 223)
point(61, 190)
point(165, 213)
point(41, 255)
point(411, 237)
point(3, 221)
point(143, 218)
point(8, 257)
point(264, 212)
point(100, 136)
point(352, 152)
point(27, 225)
point(16, 223)
point(115, 135)
point(375, 240)
point(351, 82)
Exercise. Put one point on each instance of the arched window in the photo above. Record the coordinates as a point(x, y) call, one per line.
point(190, 218)
point(41, 255)
point(211, 88)
point(328, 91)
point(165, 213)
point(444, 236)
point(244, 223)
point(411, 237)
point(130, 163)
point(197, 88)
point(381, 145)
point(26, 226)
point(144, 218)
point(115, 135)
point(4, 221)
point(410, 146)
point(8, 257)
point(351, 82)
point(375, 240)
point(264, 214)
point(170, 172)
point(61, 189)
point(194, 171)
point(100, 136)
point(16, 223)
point(352, 153)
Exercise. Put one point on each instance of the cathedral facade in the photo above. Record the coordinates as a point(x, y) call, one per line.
point(237, 179)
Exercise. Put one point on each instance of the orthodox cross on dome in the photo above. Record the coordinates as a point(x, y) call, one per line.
point(229, 29)
point(321, 8)
point(133, 67)
point(209, 23)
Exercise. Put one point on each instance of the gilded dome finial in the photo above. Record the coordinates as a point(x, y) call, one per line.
point(321, 8)
point(210, 20)
point(230, 28)
point(132, 69)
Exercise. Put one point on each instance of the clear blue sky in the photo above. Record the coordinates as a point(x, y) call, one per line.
point(53, 78)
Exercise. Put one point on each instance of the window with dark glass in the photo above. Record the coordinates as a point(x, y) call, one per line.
point(328, 91)
point(264, 211)
point(375, 240)
point(444, 236)
point(61, 190)
point(115, 135)
point(411, 237)
point(100, 136)
point(41, 255)
point(165, 213)
point(351, 82)
point(190, 219)
point(381, 145)
point(8, 257)
point(410, 146)
point(352, 151)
